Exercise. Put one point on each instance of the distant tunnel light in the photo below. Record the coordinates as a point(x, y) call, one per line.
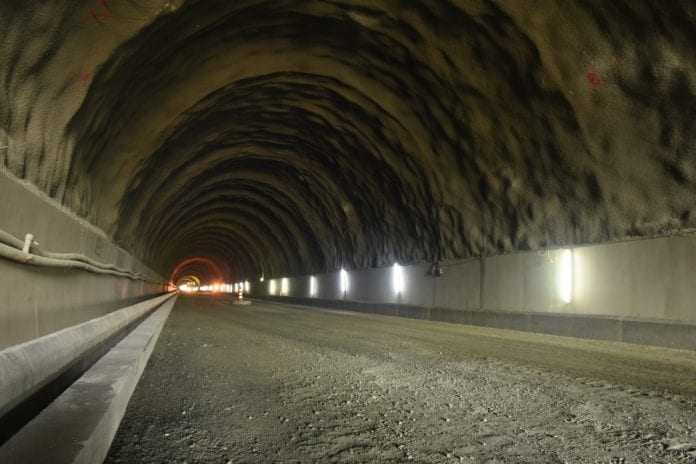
point(344, 282)
point(186, 288)
point(397, 279)
point(272, 287)
point(312, 286)
point(566, 276)
point(247, 286)
point(284, 285)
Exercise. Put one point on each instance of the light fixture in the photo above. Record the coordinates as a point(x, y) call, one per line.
point(284, 286)
point(344, 282)
point(397, 279)
point(272, 287)
point(312, 286)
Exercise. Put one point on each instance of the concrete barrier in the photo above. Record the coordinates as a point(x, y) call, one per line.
point(79, 426)
point(29, 366)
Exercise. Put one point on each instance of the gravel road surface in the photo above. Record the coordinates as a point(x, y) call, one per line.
point(273, 383)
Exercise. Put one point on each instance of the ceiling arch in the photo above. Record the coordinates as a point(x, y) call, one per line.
point(297, 136)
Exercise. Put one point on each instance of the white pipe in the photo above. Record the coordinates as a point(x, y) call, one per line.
point(21, 257)
point(8, 245)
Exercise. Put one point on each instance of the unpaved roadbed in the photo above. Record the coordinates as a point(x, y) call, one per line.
point(273, 383)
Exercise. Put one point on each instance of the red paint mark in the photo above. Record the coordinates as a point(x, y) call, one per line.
point(103, 16)
point(99, 17)
point(85, 76)
point(182, 105)
point(593, 79)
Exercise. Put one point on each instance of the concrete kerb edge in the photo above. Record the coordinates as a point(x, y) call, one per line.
point(80, 425)
point(668, 334)
point(29, 366)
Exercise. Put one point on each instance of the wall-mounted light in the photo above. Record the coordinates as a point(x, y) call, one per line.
point(344, 282)
point(313, 286)
point(565, 284)
point(284, 285)
point(272, 287)
point(247, 286)
point(397, 279)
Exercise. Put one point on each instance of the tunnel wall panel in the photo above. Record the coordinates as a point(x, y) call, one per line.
point(645, 279)
point(37, 300)
point(638, 291)
point(459, 287)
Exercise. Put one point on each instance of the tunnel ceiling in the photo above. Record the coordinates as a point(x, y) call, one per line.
point(289, 137)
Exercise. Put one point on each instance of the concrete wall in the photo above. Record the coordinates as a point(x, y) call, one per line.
point(641, 291)
point(37, 301)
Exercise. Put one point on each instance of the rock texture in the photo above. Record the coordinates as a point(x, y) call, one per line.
point(296, 136)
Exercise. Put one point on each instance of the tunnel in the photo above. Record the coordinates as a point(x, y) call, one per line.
point(348, 231)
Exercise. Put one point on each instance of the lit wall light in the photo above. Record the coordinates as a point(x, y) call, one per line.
point(247, 286)
point(397, 279)
point(284, 285)
point(312, 286)
point(566, 276)
point(272, 287)
point(344, 282)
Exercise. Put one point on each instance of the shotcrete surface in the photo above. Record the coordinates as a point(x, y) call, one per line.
point(278, 383)
point(291, 137)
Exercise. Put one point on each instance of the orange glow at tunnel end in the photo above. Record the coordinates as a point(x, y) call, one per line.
point(216, 274)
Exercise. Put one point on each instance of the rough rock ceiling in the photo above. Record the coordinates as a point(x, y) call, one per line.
point(297, 136)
